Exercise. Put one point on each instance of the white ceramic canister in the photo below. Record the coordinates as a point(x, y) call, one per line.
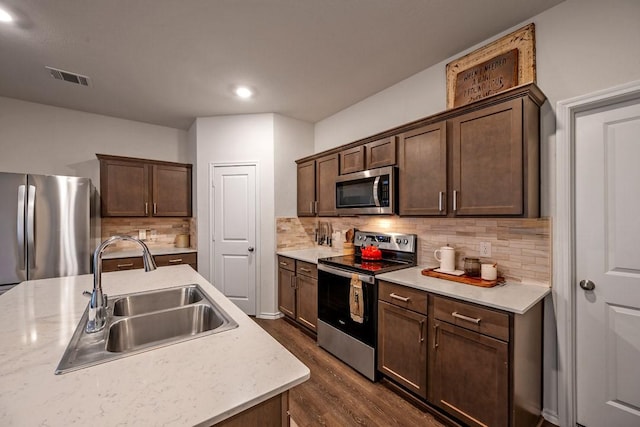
point(446, 256)
point(489, 271)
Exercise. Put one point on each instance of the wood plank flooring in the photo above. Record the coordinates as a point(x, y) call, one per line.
point(337, 395)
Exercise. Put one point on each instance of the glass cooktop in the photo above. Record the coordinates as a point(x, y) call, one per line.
point(357, 263)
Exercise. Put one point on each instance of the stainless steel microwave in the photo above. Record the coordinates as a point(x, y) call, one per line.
point(367, 193)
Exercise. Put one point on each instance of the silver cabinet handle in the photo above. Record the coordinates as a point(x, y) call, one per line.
point(310, 207)
point(155, 208)
point(31, 214)
point(455, 200)
point(284, 264)
point(173, 261)
point(466, 318)
point(315, 207)
point(130, 264)
point(306, 270)
point(146, 208)
point(398, 297)
point(421, 338)
point(20, 222)
point(435, 336)
point(440, 201)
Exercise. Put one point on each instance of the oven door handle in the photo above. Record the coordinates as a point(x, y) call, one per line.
point(347, 274)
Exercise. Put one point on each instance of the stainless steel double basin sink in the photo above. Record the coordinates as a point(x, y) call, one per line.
point(145, 321)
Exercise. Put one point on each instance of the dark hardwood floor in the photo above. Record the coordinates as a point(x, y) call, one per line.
point(336, 395)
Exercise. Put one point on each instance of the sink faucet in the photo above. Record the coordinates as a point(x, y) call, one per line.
point(98, 303)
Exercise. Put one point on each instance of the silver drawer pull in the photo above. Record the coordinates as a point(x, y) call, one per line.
point(467, 318)
point(125, 265)
point(284, 264)
point(398, 297)
point(175, 260)
point(306, 270)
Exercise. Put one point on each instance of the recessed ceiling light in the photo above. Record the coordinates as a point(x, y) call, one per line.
point(243, 92)
point(4, 16)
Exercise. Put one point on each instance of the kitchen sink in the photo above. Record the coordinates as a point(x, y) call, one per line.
point(145, 321)
point(139, 331)
point(147, 302)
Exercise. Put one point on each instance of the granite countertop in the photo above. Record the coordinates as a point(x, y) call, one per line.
point(513, 297)
point(311, 254)
point(168, 250)
point(197, 382)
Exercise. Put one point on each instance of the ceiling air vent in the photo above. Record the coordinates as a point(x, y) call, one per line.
point(67, 76)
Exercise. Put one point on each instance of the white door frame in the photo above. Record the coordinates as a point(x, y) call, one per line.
point(258, 247)
point(564, 252)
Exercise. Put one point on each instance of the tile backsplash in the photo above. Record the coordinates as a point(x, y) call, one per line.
point(520, 246)
point(161, 232)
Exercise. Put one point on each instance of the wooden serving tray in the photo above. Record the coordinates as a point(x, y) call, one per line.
point(475, 281)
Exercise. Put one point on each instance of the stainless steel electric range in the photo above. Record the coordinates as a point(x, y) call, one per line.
point(350, 337)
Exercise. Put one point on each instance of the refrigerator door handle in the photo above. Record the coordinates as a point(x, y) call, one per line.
point(20, 227)
point(31, 207)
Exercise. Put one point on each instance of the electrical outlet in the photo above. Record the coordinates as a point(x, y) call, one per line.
point(485, 249)
point(142, 234)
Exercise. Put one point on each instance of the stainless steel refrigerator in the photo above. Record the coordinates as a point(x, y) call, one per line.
point(45, 227)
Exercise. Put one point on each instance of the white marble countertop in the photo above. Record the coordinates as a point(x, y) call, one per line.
point(197, 382)
point(312, 254)
point(168, 250)
point(513, 297)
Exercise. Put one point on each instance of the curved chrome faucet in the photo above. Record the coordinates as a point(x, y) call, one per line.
point(98, 303)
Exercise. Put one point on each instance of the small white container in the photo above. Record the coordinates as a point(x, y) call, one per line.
point(489, 271)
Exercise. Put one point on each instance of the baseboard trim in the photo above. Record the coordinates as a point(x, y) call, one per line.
point(270, 316)
point(551, 416)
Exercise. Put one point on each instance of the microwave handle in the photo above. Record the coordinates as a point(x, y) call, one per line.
point(376, 183)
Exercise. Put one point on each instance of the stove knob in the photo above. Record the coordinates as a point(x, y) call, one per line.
point(398, 241)
point(405, 241)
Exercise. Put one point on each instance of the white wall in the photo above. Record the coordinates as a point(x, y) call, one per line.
point(581, 46)
point(42, 139)
point(293, 140)
point(238, 139)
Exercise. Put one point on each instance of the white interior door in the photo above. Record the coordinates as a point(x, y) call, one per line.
point(607, 165)
point(234, 234)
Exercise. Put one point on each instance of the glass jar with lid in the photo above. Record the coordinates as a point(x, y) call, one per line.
point(472, 267)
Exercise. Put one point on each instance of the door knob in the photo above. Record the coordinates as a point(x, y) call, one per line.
point(250, 249)
point(587, 285)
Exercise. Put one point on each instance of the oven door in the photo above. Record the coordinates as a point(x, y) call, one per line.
point(334, 285)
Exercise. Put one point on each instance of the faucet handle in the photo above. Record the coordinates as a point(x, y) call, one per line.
point(86, 293)
point(105, 299)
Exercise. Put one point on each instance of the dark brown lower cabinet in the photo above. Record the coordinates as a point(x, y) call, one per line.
point(132, 263)
point(273, 412)
point(307, 299)
point(298, 291)
point(402, 347)
point(470, 375)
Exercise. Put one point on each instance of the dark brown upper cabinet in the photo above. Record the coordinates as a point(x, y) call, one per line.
point(132, 187)
point(495, 161)
point(352, 160)
point(422, 171)
point(317, 186)
point(380, 153)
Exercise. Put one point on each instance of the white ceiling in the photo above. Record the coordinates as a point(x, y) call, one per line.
point(169, 61)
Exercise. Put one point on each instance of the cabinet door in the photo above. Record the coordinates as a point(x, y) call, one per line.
point(488, 161)
point(402, 347)
point(470, 375)
point(423, 171)
point(307, 188)
point(352, 160)
point(171, 191)
point(307, 299)
point(287, 292)
point(326, 174)
point(124, 188)
point(381, 153)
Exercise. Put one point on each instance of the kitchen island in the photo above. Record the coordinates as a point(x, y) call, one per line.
point(202, 381)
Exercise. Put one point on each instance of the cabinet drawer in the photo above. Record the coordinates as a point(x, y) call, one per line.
point(469, 316)
point(175, 259)
point(403, 296)
point(287, 263)
point(119, 264)
point(306, 269)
